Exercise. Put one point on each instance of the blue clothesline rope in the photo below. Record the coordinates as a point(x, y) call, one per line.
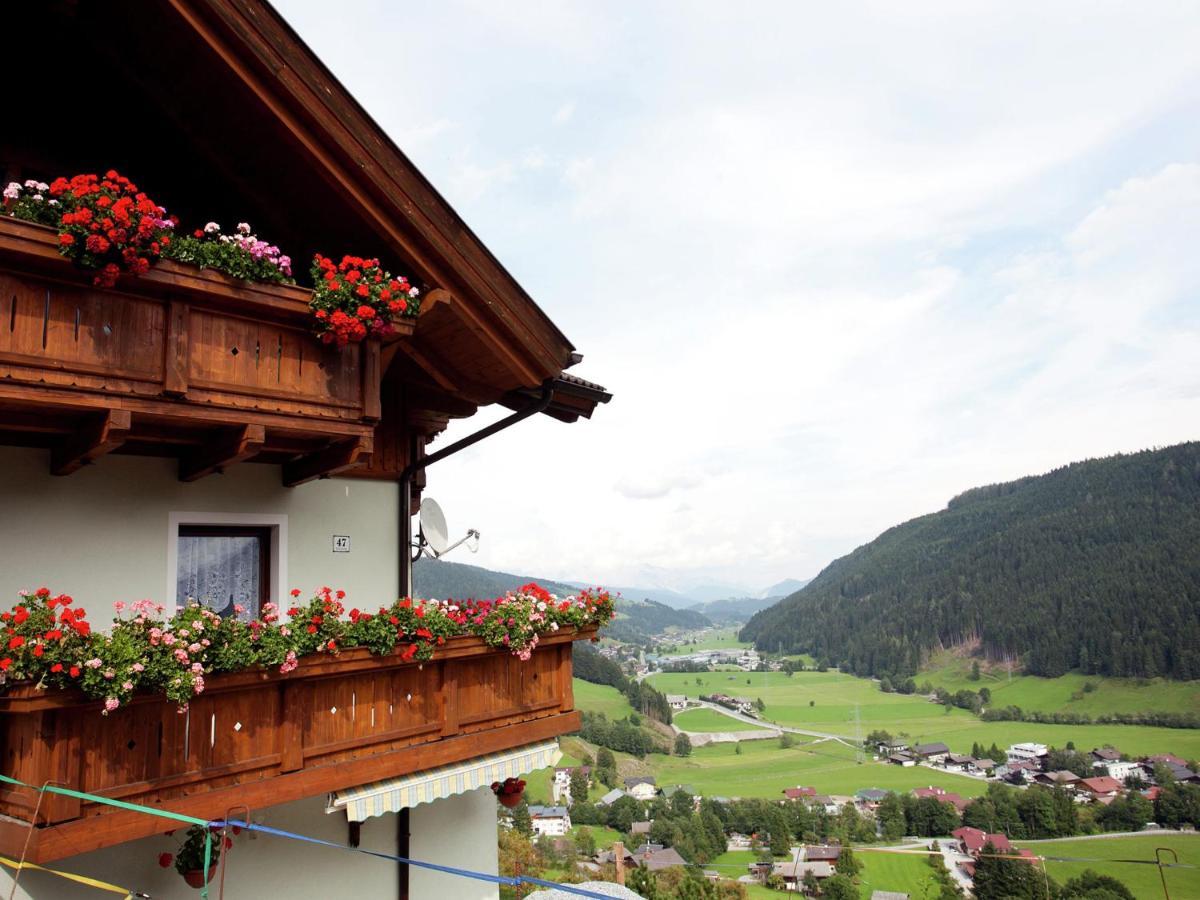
point(511, 881)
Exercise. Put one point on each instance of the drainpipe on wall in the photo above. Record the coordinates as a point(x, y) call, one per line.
point(406, 476)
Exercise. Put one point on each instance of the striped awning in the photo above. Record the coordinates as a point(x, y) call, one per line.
point(394, 794)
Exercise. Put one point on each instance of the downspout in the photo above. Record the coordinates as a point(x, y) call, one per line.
point(406, 476)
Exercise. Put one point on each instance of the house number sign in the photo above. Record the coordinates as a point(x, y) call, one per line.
point(341, 543)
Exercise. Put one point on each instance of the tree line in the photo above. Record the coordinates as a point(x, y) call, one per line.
point(1094, 566)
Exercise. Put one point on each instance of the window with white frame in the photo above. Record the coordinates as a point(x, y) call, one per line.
point(231, 564)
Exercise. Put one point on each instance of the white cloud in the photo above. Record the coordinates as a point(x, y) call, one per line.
point(838, 263)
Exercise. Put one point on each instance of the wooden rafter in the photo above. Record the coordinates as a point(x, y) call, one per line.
point(243, 443)
point(324, 463)
point(104, 434)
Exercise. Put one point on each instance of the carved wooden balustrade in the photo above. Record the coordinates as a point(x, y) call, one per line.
point(259, 738)
point(181, 360)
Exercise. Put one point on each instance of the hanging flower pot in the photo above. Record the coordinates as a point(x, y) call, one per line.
point(189, 859)
point(510, 791)
point(195, 878)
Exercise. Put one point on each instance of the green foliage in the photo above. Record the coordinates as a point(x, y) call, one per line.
point(240, 255)
point(1031, 814)
point(1097, 562)
point(839, 887)
point(522, 821)
point(621, 735)
point(1093, 886)
point(1009, 878)
point(683, 745)
point(579, 787)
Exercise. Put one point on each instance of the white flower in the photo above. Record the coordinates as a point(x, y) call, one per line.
point(243, 227)
point(212, 228)
point(412, 292)
point(13, 191)
point(42, 186)
point(31, 184)
point(38, 197)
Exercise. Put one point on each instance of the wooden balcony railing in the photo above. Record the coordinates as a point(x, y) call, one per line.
point(216, 370)
point(260, 738)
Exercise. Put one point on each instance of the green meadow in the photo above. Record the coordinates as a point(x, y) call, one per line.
point(710, 720)
point(763, 769)
point(718, 639)
point(1143, 880)
point(601, 698)
point(828, 701)
point(1066, 693)
point(908, 873)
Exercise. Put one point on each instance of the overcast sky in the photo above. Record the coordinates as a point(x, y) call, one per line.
point(837, 262)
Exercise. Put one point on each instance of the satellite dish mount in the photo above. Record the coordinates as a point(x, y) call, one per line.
point(433, 537)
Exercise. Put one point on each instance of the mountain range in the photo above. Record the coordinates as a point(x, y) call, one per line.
point(1094, 566)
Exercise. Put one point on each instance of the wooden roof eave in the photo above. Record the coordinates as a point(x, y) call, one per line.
point(351, 151)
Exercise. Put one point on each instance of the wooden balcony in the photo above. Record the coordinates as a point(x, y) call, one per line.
point(182, 361)
point(257, 739)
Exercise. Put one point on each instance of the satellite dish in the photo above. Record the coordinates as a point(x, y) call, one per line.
point(434, 539)
point(433, 526)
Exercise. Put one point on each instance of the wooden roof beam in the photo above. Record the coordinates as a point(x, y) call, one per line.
point(242, 444)
point(104, 434)
point(328, 462)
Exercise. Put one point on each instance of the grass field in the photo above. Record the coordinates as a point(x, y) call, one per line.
point(762, 769)
point(717, 639)
point(1142, 880)
point(907, 874)
point(826, 701)
point(710, 720)
point(1065, 694)
point(604, 836)
point(601, 698)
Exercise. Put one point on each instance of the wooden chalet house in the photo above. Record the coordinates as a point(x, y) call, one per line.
point(153, 430)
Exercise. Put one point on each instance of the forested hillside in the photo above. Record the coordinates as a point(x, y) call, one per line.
point(1093, 566)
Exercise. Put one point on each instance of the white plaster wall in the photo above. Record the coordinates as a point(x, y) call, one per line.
point(102, 534)
point(257, 867)
point(459, 831)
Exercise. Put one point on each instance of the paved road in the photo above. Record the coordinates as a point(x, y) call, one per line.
point(762, 723)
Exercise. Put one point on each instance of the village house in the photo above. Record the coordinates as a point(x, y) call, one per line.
point(677, 701)
point(934, 754)
point(641, 787)
point(901, 758)
point(1017, 771)
point(642, 828)
point(550, 821)
point(886, 748)
point(980, 766)
point(1103, 788)
point(793, 872)
point(826, 802)
point(560, 786)
point(655, 857)
point(173, 433)
point(1062, 778)
point(972, 841)
point(943, 796)
point(1120, 769)
point(611, 797)
point(868, 799)
point(798, 793)
point(1028, 752)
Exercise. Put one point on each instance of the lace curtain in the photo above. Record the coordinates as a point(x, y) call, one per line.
point(220, 572)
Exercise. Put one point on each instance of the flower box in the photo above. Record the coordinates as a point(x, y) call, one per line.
point(189, 346)
point(260, 738)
